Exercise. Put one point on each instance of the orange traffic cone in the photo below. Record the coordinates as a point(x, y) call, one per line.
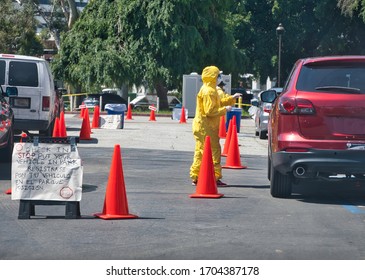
point(222, 128)
point(85, 130)
point(87, 117)
point(115, 203)
point(56, 128)
point(62, 125)
point(96, 117)
point(82, 106)
point(152, 116)
point(129, 113)
point(23, 135)
point(207, 185)
point(233, 158)
point(228, 139)
point(183, 115)
point(8, 191)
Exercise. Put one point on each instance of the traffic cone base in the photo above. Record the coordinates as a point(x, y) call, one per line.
point(234, 167)
point(8, 191)
point(111, 217)
point(207, 185)
point(197, 195)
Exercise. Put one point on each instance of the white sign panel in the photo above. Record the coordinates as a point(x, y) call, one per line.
point(46, 172)
point(111, 121)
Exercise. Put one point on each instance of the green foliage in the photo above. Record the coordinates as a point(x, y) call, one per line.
point(124, 41)
point(155, 41)
point(17, 30)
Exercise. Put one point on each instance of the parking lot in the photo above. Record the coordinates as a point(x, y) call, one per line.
point(319, 222)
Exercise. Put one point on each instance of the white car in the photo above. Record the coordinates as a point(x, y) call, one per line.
point(261, 116)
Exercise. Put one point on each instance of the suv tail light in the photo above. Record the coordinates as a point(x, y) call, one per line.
point(296, 106)
point(45, 103)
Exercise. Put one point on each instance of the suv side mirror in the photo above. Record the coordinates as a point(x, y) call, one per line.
point(11, 91)
point(268, 96)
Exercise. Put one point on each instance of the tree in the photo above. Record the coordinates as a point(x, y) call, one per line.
point(316, 28)
point(17, 30)
point(154, 41)
point(59, 18)
point(312, 28)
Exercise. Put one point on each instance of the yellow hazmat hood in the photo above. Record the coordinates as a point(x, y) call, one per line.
point(209, 75)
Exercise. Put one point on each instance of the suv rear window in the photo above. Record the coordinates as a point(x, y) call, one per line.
point(332, 78)
point(23, 74)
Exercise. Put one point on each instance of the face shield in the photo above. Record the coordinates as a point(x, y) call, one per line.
point(219, 79)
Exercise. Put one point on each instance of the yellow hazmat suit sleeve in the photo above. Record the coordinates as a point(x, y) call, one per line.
point(225, 98)
point(206, 122)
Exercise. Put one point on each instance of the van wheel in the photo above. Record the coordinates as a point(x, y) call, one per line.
point(49, 131)
point(6, 153)
point(280, 185)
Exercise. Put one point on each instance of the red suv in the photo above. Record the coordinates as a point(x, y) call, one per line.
point(317, 124)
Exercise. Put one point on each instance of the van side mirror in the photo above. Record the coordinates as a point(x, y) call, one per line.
point(11, 91)
point(268, 96)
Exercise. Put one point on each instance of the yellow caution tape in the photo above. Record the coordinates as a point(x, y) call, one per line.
point(75, 94)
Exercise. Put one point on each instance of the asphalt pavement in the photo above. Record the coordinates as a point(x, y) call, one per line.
point(245, 224)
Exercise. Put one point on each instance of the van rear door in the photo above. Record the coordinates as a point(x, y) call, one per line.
point(24, 76)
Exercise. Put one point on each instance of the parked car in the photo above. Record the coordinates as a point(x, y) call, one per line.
point(6, 128)
point(141, 103)
point(107, 98)
point(246, 96)
point(317, 124)
point(263, 110)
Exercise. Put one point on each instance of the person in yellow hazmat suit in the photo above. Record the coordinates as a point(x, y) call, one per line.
point(209, 109)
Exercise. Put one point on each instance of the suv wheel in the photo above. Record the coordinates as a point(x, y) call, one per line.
point(280, 185)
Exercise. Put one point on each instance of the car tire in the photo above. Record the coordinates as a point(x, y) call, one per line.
point(262, 134)
point(49, 131)
point(6, 153)
point(280, 185)
point(268, 168)
point(256, 133)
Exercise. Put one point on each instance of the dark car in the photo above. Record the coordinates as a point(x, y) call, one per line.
point(106, 98)
point(317, 124)
point(6, 129)
point(246, 97)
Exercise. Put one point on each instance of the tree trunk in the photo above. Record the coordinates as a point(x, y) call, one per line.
point(73, 13)
point(161, 90)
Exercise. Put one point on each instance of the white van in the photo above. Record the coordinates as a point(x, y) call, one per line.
point(35, 103)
